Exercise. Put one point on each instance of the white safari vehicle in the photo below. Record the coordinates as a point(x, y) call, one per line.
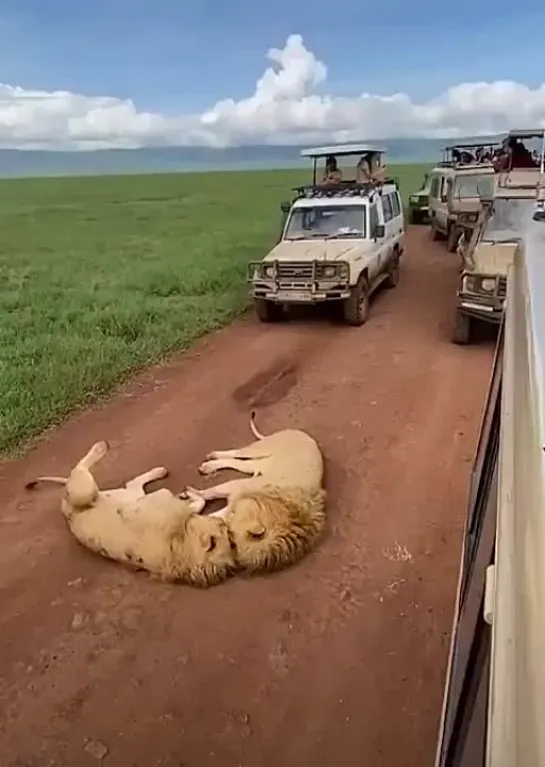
point(502, 221)
point(463, 176)
point(341, 238)
point(494, 700)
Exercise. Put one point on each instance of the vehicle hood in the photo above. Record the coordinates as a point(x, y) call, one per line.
point(316, 250)
point(422, 193)
point(464, 205)
point(493, 257)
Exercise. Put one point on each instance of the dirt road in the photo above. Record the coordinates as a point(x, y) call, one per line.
point(337, 661)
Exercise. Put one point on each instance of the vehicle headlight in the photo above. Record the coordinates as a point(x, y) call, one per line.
point(329, 271)
point(488, 284)
point(470, 284)
point(414, 198)
point(268, 271)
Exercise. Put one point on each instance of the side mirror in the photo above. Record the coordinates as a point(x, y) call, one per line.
point(285, 207)
point(380, 231)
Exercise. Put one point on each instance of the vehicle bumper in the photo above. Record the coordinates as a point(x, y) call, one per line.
point(422, 210)
point(486, 311)
point(302, 295)
point(298, 283)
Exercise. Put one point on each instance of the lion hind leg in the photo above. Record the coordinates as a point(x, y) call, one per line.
point(138, 483)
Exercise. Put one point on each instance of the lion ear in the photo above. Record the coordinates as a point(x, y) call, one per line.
point(208, 542)
point(256, 530)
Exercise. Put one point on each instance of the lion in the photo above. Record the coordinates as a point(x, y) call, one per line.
point(157, 532)
point(277, 515)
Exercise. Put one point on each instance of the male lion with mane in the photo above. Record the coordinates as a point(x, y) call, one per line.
point(277, 515)
point(159, 532)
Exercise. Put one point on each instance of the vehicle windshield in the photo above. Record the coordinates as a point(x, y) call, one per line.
point(473, 186)
point(326, 221)
point(509, 220)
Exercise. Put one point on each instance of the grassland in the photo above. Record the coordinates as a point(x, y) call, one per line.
point(102, 276)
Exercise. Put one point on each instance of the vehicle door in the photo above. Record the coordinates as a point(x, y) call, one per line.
point(434, 195)
point(377, 244)
point(388, 213)
point(383, 245)
point(390, 231)
point(398, 224)
point(441, 216)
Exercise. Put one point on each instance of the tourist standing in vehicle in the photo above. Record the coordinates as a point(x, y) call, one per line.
point(332, 173)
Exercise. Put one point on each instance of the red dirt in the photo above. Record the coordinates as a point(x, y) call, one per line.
point(339, 660)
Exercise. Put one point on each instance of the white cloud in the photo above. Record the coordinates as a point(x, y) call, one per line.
point(287, 107)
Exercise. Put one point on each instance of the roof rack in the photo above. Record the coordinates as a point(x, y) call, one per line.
point(342, 189)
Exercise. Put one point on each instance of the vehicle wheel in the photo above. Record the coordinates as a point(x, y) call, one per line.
point(392, 279)
point(414, 217)
point(453, 237)
point(461, 332)
point(268, 311)
point(356, 307)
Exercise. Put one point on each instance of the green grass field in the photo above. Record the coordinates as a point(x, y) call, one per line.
point(103, 276)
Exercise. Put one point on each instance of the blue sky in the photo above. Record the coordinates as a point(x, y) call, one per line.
point(183, 55)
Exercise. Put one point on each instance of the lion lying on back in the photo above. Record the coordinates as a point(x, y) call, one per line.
point(159, 532)
point(277, 515)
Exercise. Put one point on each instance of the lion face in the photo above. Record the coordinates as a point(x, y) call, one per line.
point(208, 551)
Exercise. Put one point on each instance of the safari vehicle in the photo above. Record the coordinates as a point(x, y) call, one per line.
point(465, 174)
point(487, 258)
point(340, 240)
point(494, 695)
point(418, 202)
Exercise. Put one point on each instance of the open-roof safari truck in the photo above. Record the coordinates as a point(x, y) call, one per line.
point(456, 184)
point(503, 218)
point(341, 238)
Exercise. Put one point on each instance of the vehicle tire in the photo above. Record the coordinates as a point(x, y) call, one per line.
point(356, 307)
point(392, 279)
point(414, 217)
point(268, 311)
point(461, 332)
point(452, 240)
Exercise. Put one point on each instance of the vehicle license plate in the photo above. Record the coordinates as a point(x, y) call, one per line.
point(293, 295)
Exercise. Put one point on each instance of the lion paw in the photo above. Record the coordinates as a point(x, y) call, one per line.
point(208, 467)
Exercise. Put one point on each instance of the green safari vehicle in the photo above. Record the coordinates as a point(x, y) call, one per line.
point(418, 203)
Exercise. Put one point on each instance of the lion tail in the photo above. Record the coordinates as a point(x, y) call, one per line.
point(257, 434)
point(55, 480)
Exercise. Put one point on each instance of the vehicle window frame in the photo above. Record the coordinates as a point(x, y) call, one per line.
point(306, 209)
point(396, 204)
point(373, 208)
point(387, 208)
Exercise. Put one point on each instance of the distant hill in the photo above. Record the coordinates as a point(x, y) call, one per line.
point(176, 159)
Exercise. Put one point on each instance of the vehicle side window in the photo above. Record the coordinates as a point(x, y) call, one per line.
point(373, 220)
point(387, 208)
point(434, 186)
point(396, 205)
point(444, 186)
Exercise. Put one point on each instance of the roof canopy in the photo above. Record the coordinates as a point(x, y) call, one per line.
point(534, 133)
point(472, 145)
point(339, 150)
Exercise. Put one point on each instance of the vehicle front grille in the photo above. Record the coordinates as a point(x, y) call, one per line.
point(502, 287)
point(294, 272)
